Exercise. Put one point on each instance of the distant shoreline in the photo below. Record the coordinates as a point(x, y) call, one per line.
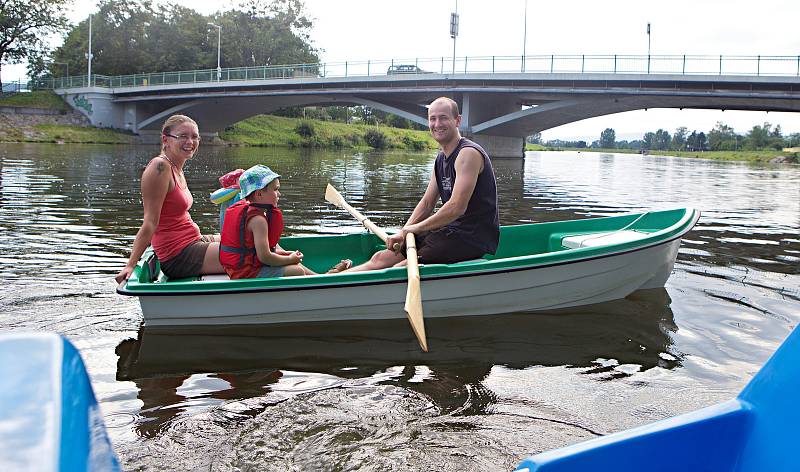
point(763, 156)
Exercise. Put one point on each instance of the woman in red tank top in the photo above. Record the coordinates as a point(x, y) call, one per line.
point(176, 239)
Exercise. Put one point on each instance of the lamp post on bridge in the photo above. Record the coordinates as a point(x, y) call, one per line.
point(219, 43)
point(454, 33)
point(89, 56)
point(648, 47)
point(524, 35)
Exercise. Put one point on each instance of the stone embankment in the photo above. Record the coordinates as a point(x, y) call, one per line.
point(21, 121)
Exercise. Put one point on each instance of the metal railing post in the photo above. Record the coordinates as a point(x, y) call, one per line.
point(367, 67)
point(684, 65)
point(615, 63)
point(648, 63)
point(465, 65)
point(441, 71)
point(758, 64)
point(583, 63)
point(492, 64)
point(345, 68)
point(720, 64)
point(551, 63)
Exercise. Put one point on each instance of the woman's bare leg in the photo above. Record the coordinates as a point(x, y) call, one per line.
point(211, 263)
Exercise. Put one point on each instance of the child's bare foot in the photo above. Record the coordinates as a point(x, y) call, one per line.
point(344, 264)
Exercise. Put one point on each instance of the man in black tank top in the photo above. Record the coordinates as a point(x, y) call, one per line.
point(467, 224)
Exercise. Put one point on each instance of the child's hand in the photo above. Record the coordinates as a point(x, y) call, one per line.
point(296, 257)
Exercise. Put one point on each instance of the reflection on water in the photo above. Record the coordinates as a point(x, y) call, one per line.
point(361, 396)
point(632, 335)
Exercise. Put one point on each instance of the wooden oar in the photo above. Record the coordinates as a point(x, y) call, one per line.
point(333, 196)
point(413, 304)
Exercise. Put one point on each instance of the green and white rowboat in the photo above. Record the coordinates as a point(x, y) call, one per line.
point(538, 266)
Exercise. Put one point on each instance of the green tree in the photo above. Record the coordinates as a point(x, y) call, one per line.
point(131, 36)
point(25, 24)
point(679, 139)
point(702, 141)
point(662, 140)
point(722, 138)
point(136, 36)
point(608, 138)
point(263, 33)
point(758, 137)
point(649, 140)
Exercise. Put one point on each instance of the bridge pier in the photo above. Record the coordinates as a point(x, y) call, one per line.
point(477, 108)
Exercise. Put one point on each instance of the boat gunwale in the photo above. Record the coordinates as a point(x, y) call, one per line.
point(683, 225)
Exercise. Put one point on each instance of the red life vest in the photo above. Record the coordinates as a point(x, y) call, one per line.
point(237, 249)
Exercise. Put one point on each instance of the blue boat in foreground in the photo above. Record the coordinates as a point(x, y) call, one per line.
point(756, 431)
point(49, 416)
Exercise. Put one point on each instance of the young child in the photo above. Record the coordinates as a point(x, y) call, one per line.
point(252, 228)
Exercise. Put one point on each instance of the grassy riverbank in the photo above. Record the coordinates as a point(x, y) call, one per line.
point(268, 130)
point(38, 99)
point(763, 156)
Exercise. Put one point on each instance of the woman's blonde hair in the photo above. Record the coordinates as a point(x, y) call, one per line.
point(172, 122)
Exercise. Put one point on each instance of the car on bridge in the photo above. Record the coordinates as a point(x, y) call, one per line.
point(406, 69)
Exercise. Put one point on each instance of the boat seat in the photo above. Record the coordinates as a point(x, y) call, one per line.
point(601, 239)
point(214, 277)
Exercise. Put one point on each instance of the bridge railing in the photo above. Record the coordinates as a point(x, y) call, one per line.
point(572, 64)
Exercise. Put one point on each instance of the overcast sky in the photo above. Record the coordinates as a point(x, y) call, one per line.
point(382, 30)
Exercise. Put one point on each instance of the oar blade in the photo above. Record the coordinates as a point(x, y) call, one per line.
point(413, 309)
point(333, 196)
point(413, 304)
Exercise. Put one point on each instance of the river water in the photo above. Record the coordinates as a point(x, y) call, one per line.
point(360, 396)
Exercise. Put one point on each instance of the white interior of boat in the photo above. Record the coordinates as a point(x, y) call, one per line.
point(602, 239)
point(215, 277)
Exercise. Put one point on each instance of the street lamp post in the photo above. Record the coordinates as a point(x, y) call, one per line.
point(219, 42)
point(454, 33)
point(648, 47)
point(524, 35)
point(89, 56)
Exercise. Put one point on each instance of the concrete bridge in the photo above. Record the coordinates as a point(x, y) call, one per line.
point(500, 105)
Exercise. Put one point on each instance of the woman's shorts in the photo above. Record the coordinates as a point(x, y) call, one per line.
point(271, 271)
point(443, 246)
point(189, 261)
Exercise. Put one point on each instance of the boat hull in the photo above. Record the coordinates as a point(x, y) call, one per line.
point(540, 266)
point(528, 289)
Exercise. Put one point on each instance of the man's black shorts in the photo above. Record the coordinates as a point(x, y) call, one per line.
point(444, 246)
